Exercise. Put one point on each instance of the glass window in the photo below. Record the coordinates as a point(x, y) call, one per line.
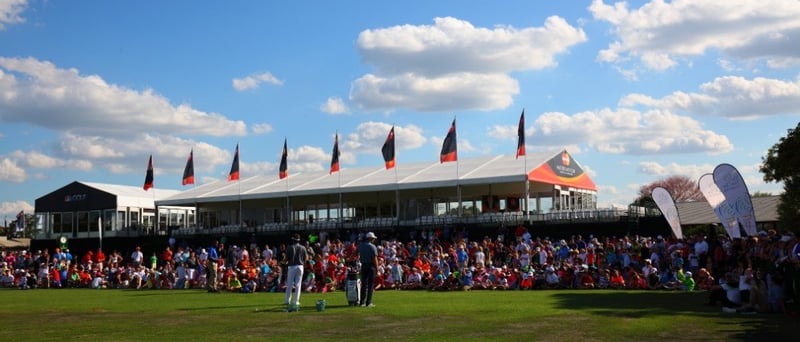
point(108, 220)
point(121, 220)
point(83, 221)
point(67, 223)
point(135, 222)
point(57, 223)
point(94, 218)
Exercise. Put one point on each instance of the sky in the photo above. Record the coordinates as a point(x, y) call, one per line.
point(636, 91)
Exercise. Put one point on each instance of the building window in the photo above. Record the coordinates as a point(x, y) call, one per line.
point(67, 223)
point(94, 221)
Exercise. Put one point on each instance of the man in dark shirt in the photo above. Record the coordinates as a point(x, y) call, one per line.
point(368, 256)
point(296, 257)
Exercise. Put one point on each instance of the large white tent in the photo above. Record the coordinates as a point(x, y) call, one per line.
point(398, 192)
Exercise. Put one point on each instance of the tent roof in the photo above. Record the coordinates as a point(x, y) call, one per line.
point(699, 212)
point(133, 196)
point(422, 175)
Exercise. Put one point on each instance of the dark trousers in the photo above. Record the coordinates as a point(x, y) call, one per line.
point(367, 283)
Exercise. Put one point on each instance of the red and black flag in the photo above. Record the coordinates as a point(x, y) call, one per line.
point(148, 178)
point(449, 146)
point(335, 155)
point(388, 150)
point(521, 135)
point(188, 171)
point(283, 171)
point(234, 174)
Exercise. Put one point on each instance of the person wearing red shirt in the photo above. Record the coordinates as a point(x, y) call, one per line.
point(100, 259)
point(616, 280)
point(166, 255)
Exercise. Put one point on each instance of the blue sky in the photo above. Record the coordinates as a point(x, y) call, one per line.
point(636, 91)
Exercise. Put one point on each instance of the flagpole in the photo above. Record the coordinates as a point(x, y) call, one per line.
point(525, 171)
point(458, 181)
point(239, 184)
point(158, 214)
point(339, 186)
point(100, 230)
point(396, 179)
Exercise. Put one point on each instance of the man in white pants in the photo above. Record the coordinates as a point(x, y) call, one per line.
point(296, 257)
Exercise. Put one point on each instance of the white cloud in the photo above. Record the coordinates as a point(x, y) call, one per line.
point(370, 136)
point(38, 160)
point(692, 171)
point(446, 93)
point(11, 172)
point(334, 105)
point(262, 128)
point(730, 96)
point(10, 12)
point(62, 100)
point(659, 32)
point(11, 209)
point(629, 131)
point(254, 81)
point(453, 65)
point(307, 158)
point(130, 155)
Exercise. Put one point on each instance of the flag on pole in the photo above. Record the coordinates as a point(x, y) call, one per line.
point(188, 171)
point(234, 174)
point(21, 221)
point(666, 204)
point(148, 178)
point(521, 135)
point(388, 150)
point(335, 155)
point(733, 187)
point(283, 171)
point(449, 146)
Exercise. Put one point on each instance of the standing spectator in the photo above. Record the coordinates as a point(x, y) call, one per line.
point(137, 257)
point(100, 259)
point(296, 256)
point(701, 250)
point(211, 270)
point(368, 255)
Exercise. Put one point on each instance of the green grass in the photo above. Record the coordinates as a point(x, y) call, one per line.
point(561, 315)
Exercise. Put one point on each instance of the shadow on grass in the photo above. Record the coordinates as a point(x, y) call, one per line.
point(638, 304)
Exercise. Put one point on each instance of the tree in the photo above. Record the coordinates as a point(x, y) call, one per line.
point(761, 194)
point(682, 189)
point(782, 164)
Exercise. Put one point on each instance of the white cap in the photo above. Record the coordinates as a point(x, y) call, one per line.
point(371, 235)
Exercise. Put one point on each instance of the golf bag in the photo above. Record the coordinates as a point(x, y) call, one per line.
point(353, 288)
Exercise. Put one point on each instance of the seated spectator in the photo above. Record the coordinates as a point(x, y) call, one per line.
point(7, 279)
point(234, 284)
point(687, 281)
point(466, 280)
point(551, 279)
point(727, 293)
point(704, 280)
point(775, 295)
point(604, 280)
point(586, 281)
point(757, 301)
point(616, 281)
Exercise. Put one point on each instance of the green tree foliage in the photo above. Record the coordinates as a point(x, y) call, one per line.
point(782, 164)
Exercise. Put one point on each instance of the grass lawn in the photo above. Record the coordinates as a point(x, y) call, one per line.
point(560, 315)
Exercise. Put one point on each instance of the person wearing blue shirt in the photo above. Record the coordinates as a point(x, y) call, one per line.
point(213, 263)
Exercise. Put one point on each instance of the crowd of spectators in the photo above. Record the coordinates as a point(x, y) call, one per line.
point(754, 274)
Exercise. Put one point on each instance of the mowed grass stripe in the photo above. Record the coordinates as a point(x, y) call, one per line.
point(559, 315)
